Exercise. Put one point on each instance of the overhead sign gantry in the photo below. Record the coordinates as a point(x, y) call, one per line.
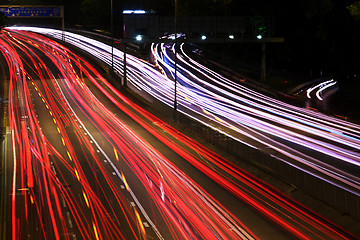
point(33, 11)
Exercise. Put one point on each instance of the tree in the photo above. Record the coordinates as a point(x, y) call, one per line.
point(354, 10)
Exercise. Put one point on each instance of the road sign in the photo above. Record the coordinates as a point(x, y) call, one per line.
point(32, 11)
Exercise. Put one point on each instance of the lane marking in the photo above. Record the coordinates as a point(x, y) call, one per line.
point(53, 168)
point(125, 182)
point(69, 155)
point(63, 201)
point(95, 231)
point(69, 220)
point(141, 208)
point(77, 175)
point(116, 155)
point(86, 199)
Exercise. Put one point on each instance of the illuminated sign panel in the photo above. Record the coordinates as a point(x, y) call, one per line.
point(134, 12)
point(32, 11)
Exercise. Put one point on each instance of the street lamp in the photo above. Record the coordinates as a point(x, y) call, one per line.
point(138, 38)
point(112, 39)
point(175, 70)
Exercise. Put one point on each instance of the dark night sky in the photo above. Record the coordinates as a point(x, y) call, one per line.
point(318, 33)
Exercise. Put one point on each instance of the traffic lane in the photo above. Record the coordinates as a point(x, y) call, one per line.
point(97, 95)
point(22, 194)
point(252, 136)
point(254, 100)
point(21, 187)
point(85, 133)
point(208, 184)
point(85, 165)
point(104, 48)
point(42, 99)
point(45, 119)
point(150, 210)
point(265, 126)
point(306, 151)
point(49, 127)
point(70, 190)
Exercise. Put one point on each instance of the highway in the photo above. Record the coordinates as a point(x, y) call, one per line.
point(320, 145)
point(89, 163)
point(293, 132)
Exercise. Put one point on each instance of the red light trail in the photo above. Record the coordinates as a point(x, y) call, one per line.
point(63, 152)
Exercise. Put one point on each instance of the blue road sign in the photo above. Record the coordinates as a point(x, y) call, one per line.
point(10, 11)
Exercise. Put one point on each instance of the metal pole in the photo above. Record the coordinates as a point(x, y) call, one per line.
point(263, 62)
point(175, 73)
point(125, 80)
point(63, 23)
point(112, 39)
point(124, 42)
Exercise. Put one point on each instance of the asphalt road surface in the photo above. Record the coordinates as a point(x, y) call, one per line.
point(85, 162)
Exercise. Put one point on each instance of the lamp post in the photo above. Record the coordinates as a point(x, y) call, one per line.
point(138, 38)
point(124, 61)
point(112, 39)
point(175, 70)
point(263, 62)
point(62, 23)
